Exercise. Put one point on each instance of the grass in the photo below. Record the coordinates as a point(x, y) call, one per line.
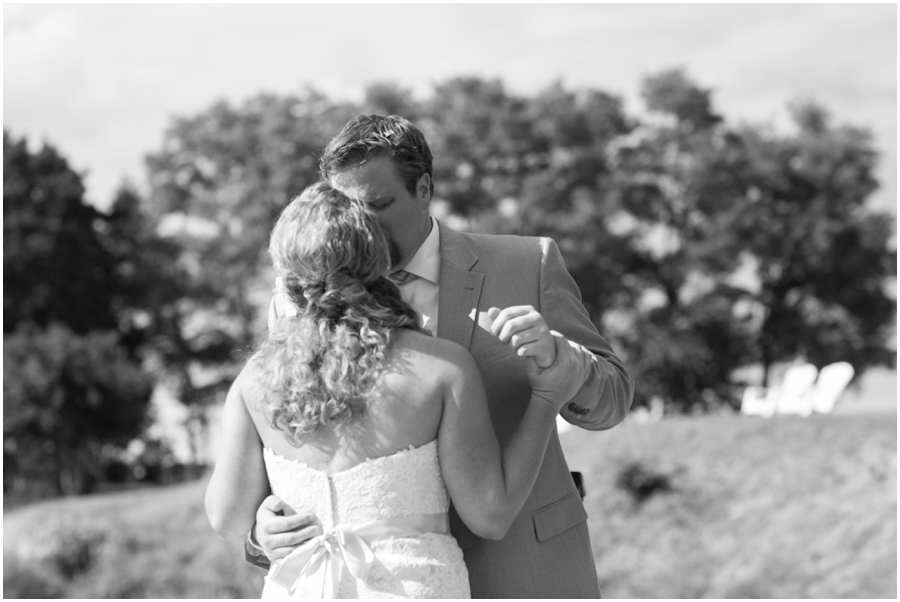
point(154, 543)
point(784, 508)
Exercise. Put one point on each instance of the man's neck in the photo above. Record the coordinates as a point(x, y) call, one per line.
point(425, 263)
point(431, 225)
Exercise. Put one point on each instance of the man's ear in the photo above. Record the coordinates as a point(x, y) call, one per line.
point(423, 188)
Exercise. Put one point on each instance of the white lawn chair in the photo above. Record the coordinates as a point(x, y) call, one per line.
point(792, 394)
point(833, 379)
point(657, 409)
point(758, 401)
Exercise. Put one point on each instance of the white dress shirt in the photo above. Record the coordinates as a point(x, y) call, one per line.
point(422, 291)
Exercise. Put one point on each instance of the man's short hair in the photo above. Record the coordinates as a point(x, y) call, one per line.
point(374, 136)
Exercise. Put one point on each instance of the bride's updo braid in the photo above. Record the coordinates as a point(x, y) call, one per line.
point(331, 258)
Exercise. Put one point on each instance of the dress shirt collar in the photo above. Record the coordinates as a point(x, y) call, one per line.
point(426, 263)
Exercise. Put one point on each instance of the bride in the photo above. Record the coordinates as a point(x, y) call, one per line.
point(352, 413)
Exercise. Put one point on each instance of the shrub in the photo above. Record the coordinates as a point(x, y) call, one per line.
point(70, 547)
point(24, 579)
point(641, 482)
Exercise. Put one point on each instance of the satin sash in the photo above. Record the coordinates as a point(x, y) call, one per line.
point(321, 557)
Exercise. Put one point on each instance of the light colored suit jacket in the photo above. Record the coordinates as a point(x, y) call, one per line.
point(547, 551)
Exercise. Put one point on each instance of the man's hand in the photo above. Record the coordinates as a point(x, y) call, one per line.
point(561, 381)
point(525, 330)
point(279, 530)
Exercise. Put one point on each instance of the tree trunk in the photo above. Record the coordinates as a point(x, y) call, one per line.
point(766, 366)
point(59, 481)
point(70, 477)
point(765, 344)
point(690, 389)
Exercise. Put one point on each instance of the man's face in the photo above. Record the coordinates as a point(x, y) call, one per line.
point(403, 215)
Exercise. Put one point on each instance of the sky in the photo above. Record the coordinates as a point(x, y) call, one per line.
point(102, 82)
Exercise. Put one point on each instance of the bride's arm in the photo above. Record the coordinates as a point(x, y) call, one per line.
point(488, 486)
point(238, 484)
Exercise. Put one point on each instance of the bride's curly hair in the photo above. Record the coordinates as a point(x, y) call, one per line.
point(320, 366)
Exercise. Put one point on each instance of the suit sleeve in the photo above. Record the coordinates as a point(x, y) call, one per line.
point(254, 554)
point(605, 398)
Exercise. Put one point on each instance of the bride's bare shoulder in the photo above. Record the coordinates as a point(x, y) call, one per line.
point(249, 380)
point(434, 353)
point(427, 344)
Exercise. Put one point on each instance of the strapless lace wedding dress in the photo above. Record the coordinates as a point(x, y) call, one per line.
point(385, 530)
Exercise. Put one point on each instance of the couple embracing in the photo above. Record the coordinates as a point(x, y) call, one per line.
point(394, 435)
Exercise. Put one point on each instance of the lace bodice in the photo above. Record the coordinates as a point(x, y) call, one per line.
point(405, 484)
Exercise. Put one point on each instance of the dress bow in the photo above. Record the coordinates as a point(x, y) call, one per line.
point(309, 564)
point(340, 545)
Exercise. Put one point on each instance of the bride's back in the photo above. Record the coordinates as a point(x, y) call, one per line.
point(404, 411)
point(403, 485)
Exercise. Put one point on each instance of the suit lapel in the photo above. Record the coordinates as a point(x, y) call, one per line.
point(460, 289)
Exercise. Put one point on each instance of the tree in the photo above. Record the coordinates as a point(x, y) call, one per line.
point(220, 181)
point(568, 197)
point(700, 248)
point(65, 396)
point(677, 184)
point(387, 98)
point(217, 186)
point(55, 268)
point(151, 280)
point(482, 143)
point(534, 166)
point(672, 93)
point(759, 247)
point(69, 384)
point(822, 259)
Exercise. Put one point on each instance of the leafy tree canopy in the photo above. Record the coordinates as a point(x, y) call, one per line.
point(71, 381)
point(55, 267)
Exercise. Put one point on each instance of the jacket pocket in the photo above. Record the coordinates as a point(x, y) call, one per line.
point(561, 515)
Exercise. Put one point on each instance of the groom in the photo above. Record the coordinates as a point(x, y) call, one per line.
point(453, 279)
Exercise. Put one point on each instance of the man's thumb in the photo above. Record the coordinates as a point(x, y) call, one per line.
point(274, 503)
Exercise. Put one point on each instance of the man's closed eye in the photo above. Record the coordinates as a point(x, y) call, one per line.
point(381, 203)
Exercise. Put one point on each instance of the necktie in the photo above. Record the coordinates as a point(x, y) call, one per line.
point(401, 277)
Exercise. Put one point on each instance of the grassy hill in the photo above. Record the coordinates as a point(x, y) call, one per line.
point(781, 508)
point(719, 507)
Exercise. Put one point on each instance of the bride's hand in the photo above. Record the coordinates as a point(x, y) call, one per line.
point(278, 529)
point(554, 371)
point(559, 382)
